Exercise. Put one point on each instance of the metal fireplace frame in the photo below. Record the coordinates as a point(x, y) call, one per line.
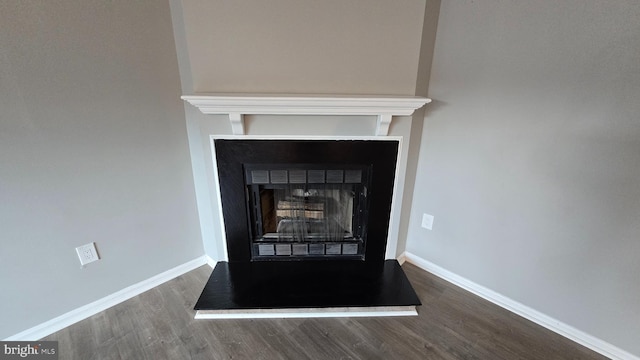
point(232, 154)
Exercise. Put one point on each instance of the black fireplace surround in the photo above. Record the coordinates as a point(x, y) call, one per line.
point(237, 158)
point(306, 225)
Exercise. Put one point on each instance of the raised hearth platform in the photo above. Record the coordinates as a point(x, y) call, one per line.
point(280, 289)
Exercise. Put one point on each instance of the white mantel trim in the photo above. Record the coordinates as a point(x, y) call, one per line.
point(238, 105)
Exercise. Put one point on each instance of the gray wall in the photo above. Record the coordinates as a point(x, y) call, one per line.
point(530, 159)
point(294, 46)
point(93, 147)
point(427, 43)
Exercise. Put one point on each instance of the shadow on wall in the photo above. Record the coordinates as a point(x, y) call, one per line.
point(433, 107)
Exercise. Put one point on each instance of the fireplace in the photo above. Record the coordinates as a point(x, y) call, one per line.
point(306, 225)
point(306, 222)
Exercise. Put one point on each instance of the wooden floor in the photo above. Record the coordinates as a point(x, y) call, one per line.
point(453, 324)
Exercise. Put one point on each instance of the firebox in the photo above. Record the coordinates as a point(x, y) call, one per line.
point(307, 211)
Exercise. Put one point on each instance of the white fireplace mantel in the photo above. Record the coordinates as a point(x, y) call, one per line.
point(237, 105)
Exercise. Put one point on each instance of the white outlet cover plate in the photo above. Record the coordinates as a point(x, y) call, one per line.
point(87, 253)
point(427, 221)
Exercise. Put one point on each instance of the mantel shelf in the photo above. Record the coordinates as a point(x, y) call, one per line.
point(238, 105)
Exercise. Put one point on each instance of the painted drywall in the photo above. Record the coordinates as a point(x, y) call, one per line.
point(315, 47)
point(427, 43)
point(291, 46)
point(530, 158)
point(209, 224)
point(93, 148)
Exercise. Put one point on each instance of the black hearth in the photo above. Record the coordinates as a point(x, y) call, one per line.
point(306, 226)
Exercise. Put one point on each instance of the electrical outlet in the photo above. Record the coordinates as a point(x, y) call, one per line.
point(87, 253)
point(427, 221)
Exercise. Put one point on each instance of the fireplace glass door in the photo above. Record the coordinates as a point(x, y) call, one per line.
point(299, 211)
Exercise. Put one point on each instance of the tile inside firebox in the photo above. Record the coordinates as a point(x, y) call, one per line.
point(300, 249)
point(334, 249)
point(316, 249)
point(349, 249)
point(283, 249)
point(266, 250)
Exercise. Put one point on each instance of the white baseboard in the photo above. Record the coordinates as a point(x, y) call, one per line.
point(81, 313)
point(526, 312)
point(212, 263)
point(402, 258)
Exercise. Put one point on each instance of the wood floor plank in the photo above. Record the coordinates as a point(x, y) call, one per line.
point(452, 324)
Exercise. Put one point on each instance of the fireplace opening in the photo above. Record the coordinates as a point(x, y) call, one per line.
point(307, 211)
